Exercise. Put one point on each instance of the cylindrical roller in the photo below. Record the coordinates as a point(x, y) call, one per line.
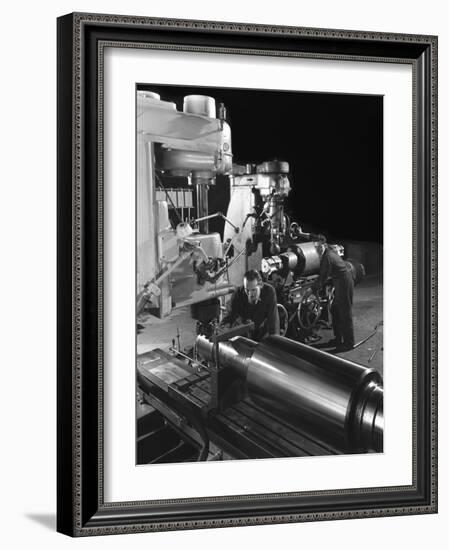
point(302, 258)
point(346, 397)
point(234, 354)
point(368, 417)
point(221, 291)
point(178, 161)
point(308, 258)
point(338, 399)
point(289, 260)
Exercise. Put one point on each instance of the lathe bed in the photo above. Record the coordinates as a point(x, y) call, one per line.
point(182, 396)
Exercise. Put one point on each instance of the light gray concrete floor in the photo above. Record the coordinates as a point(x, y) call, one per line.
point(367, 313)
point(160, 333)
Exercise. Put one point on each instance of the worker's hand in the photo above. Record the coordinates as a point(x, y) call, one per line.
point(229, 324)
point(234, 323)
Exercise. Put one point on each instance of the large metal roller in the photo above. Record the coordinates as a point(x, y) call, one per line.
point(302, 258)
point(308, 258)
point(339, 400)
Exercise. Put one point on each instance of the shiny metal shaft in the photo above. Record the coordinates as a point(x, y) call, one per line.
point(339, 400)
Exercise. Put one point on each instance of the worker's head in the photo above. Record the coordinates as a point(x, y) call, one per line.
point(252, 283)
point(321, 245)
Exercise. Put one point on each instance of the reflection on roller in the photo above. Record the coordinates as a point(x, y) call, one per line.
point(340, 399)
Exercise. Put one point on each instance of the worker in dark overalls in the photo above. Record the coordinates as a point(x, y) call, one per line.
point(332, 266)
point(255, 301)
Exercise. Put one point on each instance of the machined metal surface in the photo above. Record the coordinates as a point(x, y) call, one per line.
point(183, 162)
point(341, 400)
point(308, 258)
point(202, 205)
point(242, 429)
point(273, 167)
point(301, 258)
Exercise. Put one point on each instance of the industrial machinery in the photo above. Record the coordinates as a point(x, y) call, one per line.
point(242, 399)
point(176, 265)
point(293, 273)
point(182, 157)
point(224, 395)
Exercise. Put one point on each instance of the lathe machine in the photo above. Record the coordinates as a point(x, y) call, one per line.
point(223, 395)
point(236, 398)
point(185, 156)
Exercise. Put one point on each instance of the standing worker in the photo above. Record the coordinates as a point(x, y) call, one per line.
point(332, 266)
point(255, 301)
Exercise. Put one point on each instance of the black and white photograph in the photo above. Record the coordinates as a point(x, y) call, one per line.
point(225, 216)
point(259, 273)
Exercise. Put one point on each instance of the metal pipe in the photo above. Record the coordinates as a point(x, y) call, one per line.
point(339, 400)
point(376, 349)
point(216, 215)
point(213, 292)
point(202, 202)
point(369, 335)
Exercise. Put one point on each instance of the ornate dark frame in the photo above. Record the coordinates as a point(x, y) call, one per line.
point(81, 509)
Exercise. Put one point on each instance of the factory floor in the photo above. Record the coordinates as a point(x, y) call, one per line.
point(163, 333)
point(367, 313)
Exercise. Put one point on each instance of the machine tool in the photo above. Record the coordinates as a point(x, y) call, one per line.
point(242, 399)
point(182, 157)
point(223, 395)
point(177, 265)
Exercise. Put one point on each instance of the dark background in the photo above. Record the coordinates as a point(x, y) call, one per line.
point(332, 142)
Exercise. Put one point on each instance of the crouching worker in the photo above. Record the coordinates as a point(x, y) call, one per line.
point(256, 302)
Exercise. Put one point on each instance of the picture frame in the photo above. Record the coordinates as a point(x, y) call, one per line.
point(81, 507)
